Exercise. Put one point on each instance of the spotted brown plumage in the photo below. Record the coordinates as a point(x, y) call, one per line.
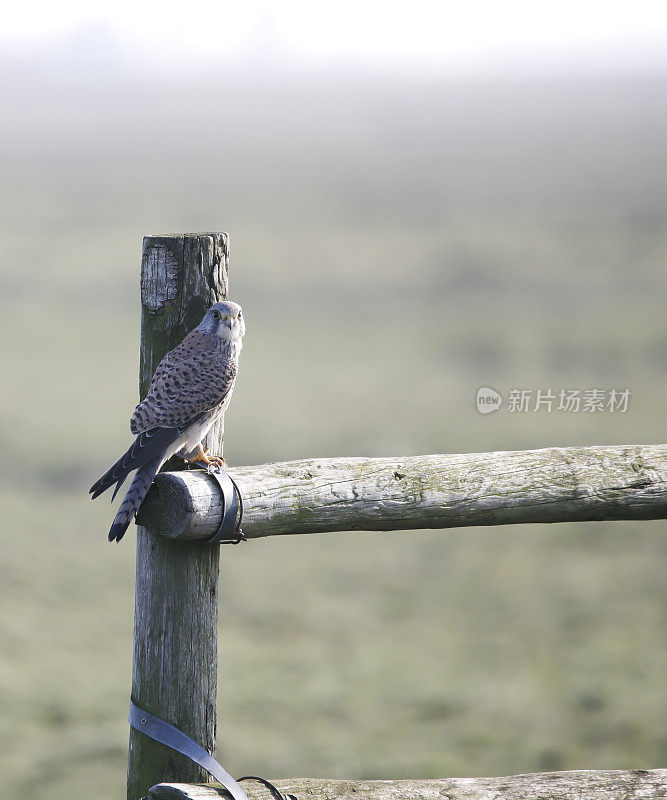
point(194, 377)
point(190, 390)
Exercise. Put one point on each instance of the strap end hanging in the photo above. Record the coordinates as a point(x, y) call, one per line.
point(170, 736)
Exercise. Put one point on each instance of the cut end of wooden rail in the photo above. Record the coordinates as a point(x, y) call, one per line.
point(573, 484)
point(182, 505)
point(579, 785)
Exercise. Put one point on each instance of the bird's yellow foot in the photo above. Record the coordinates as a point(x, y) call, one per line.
point(202, 455)
point(219, 461)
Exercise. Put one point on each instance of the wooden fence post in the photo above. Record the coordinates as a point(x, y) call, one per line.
point(176, 601)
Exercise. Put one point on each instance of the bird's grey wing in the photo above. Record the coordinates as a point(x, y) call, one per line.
point(190, 381)
point(147, 446)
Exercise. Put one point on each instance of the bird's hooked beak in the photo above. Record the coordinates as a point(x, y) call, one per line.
point(228, 321)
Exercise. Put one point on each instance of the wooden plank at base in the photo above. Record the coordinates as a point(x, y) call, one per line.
point(637, 784)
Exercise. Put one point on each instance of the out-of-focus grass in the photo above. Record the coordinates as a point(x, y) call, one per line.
point(386, 271)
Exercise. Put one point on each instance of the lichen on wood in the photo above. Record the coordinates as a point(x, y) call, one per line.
point(320, 495)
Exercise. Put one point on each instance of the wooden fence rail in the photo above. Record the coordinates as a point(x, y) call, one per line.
point(571, 484)
point(637, 784)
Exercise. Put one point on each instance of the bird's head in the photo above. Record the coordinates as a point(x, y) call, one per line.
point(224, 320)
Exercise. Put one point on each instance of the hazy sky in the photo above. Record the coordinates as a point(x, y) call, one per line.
point(418, 32)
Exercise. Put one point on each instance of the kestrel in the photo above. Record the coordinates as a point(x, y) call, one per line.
point(190, 390)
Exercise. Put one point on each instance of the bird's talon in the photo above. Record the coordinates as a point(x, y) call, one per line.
point(202, 457)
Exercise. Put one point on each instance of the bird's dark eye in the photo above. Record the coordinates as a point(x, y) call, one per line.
point(239, 313)
point(216, 315)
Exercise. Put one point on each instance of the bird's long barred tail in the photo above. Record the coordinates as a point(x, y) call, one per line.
point(134, 497)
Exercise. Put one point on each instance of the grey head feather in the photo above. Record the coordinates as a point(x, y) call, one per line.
point(224, 321)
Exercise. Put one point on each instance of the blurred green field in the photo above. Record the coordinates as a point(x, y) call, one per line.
point(395, 246)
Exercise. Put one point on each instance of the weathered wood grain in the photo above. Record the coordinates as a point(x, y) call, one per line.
point(176, 599)
point(571, 484)
point(579, 785)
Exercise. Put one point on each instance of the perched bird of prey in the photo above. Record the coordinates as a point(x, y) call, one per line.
point(190, 390)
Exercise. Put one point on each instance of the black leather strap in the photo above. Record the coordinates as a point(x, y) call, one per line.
point(229, 531)
point(167, 734)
